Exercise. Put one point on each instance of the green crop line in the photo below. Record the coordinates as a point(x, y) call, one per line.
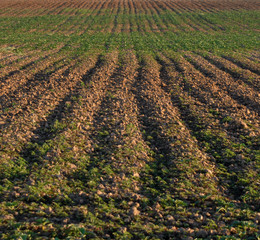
point(231, 30)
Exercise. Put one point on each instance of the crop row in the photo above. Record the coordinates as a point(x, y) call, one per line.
point(126, 144)
point(80, 7)
point(79, 27)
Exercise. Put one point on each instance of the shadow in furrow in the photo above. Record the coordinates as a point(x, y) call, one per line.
point(158, 143)
point(11, 61)
point(233, 73)
point(104, 127)
point(243, 100)
point(196, 127)
point(47, 129)
point(10, 74)
point(239, 64)
point(39, 78)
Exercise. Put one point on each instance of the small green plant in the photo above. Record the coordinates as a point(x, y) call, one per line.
point(58, 126)
point(227, 119)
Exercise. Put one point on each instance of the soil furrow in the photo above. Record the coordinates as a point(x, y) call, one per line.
point(52, 170)
point(19, 76)
point(96, 11)
point(46, 129)
point(7, 60)
point(124, 119)
point(10, 71)
point(245, 64)
point(208, 92)
point(40, 108)
point(25, 78)
point(34, 89)
point(86, 18)
point(204, 126)
point(117, 141)
point(169, 139)
point(242, 94)
point(237, 73)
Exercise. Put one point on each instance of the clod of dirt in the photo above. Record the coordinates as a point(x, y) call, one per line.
point(233, 230)
point(240, 157)
point(257, 217)
point(225, 232)
point(7, 217)
point(202, 233)
point(157, 206)
point(134, 212)
point(123, 229)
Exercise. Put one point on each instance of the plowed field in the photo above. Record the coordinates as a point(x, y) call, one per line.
point(129, 119)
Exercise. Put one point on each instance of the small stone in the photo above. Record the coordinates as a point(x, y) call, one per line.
point(240, 157)
point(8, 217)
point(157, 206)
point(123, 229)
point(173, 228)
point(190, 231)
point(170, 218)
point(99, 193)
point(82, 194)
point(127, 220)
point(75, 149)
point(137, 204)
point(213, 232)
point(225, 232)
point(72, 166)
point(252, 134)
point(242, 124)
point(109, 195)
point(66, 220)
point(16, 194)
point(134, 211)
point(49, 210)
point(257, 217)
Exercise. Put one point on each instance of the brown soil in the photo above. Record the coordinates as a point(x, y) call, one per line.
point(18, 7)
point(163, 145)
point(131, 114)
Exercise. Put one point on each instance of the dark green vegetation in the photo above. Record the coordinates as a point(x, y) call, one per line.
point(143, 31)
point(129, 120)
